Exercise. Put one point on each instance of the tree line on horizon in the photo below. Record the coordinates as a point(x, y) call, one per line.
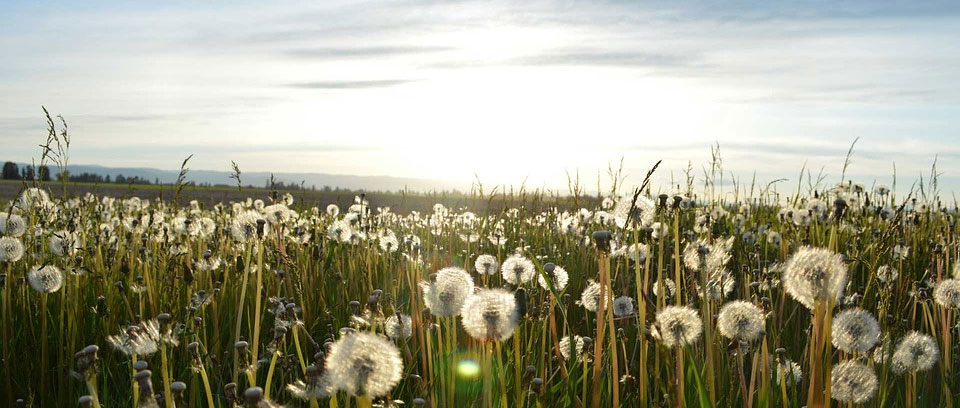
point(13, 171)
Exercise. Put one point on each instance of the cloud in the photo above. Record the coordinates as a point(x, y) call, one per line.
point(379, 83)
point(338, 53)
point(608, 58)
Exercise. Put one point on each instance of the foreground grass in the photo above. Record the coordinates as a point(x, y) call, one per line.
point(257, 295)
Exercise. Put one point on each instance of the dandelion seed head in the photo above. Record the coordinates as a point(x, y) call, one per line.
point(946, 293)
point(855, 331)
point(916, 352)
point(627, 213)
point(577, 347)
point(363, 364)
point(854, 382)
point(669, 288)
point(64, 243)
point(678, 326)
point(517, 270)
point(789, 371)
point(12, 225)
point(590, 297)
point(887, 274)
point(719, 285)
point(446, 295)
point(813, 274)
point(623, 306)
point(490, 315)
point(33, 198)
point(45, 279)
point(11, 250)
point(243, 227)
point(486, 264)
point(739, 320)
point(401, 328)
point(559, 277)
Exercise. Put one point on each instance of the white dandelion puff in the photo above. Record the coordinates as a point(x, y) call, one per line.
point(446, 295)
point(12, 225)
point(46, 278)
point(623, 306)
point(363, 364)
point(855, 331)
point(678, 326)
point(559, 277)
point(486, 264)
point(490, 315)
point(590, 297)
point(947, 293)
point(11, 250)
point(789, 371)
point(916, 352)
point(853, 382)
point(814, 274)
point(739, 320)
point(398, 328)
point(518, 270)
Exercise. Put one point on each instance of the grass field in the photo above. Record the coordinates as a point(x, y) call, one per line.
point(113, 297)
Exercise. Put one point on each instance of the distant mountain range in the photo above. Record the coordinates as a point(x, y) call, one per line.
point(260, 179)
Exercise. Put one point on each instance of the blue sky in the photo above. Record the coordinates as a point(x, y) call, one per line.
point(504, 90)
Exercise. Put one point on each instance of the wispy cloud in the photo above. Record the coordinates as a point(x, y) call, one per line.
point(340, 53)
point(775, 83)
point(377, 83)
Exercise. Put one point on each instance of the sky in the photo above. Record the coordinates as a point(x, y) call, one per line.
point(505, 92)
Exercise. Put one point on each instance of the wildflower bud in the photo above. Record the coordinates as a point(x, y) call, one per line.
point(194, 349)
point(21, 403)
point(260, 224)
point(101, 307)
point(587, 342)
point(676, 201)
point(602, 239)
point(241, 345)
point(230, 392)
point(85, 401)
point(372, 300)
point(520, 296)
point(164, 320)
point(529, 372)
point(120, 287)
point(253, 395)
point(840, 207)
point(536, 385)
point(142, 375)
point(279, 332)
point(663, 200)
point(178, 388)
point(419, 402)
point(140, 365)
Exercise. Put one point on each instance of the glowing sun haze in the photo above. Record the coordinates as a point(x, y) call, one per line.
point(504, 90)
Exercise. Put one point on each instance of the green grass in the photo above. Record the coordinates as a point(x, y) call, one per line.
point(131, 277)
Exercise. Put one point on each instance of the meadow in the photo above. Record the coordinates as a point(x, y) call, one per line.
point(694, 294)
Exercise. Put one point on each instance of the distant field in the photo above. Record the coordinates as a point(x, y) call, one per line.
point(210, 195)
